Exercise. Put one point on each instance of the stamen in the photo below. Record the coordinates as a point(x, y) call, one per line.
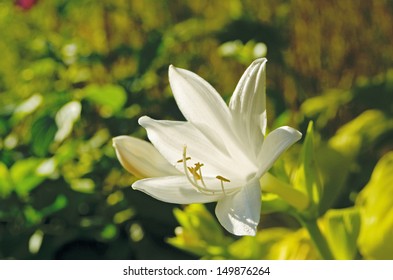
point(198, 165)
point(196, 173)
point(222, 180)
point(186, 168)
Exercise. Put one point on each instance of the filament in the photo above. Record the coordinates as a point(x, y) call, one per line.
point(196, 173)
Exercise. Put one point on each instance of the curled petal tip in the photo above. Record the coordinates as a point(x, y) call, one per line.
point(171, 70)
point(140, 158)
point(260, 60)
point(142, 120)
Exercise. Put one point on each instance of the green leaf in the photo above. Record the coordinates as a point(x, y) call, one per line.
point(26, 108)
point(292, 245)
point(5, 181)
point(60, 202)
point(83, 185)
point(43, 132)
point(307, 177)
point(109, 98)
point(334, 169)
point(24, 175)
point(324, 107)
point(199, 233)
point(375, 203)
point(109, 232)
point(244, 53)
point(361, 133)
point(341, 229)
point(257, 247)
point(32, 215)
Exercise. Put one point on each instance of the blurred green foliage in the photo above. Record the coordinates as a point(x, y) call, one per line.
point(75, 73)
point(375, 202)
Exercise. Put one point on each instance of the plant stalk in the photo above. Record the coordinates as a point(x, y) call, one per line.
point(292, 196)
point(317, 238)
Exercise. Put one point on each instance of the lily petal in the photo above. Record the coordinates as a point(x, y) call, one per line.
point(203, 106)
point(248, 105)
point(276, 142)
point(141, 159)
point(197, 99)
point(173, 189)
point(170, 137)
point(240, 213)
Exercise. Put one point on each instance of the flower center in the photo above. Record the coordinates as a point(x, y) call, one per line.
point(194, 176)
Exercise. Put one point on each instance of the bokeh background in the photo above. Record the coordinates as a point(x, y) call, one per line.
point(75, 73)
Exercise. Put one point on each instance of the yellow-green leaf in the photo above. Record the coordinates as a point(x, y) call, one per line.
point(376, 207)
point(341, 229)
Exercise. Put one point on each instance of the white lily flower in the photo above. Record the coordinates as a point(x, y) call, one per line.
point(218, 154)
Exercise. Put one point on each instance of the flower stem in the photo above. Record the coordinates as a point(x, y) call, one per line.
point(317, 238)
point(292, 196)
point(300, 201)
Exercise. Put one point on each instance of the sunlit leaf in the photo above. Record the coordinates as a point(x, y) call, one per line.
point(83, 185)
point(60, 202)
point(27, 107)
point(199, 233)
point(109, 98)
point(5, 181)
point(375, 203)
point(46, 167)
point(109, 232)
point(136, 232)
point(244, 53)
point(35, 241)
point(32, 215)
point(341, 228)
point(334, 169)
point(293, 246)
point(65, 119)
point(24, 175)
point(122, 216)
point(307, 176)
point(361, 133)
point(258, 247)
point(324, 107)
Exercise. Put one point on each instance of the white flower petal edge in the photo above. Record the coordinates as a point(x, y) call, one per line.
point(240, 213)
point(140, 158)
point(276, 142)
point(173, 189)
point(248, 104)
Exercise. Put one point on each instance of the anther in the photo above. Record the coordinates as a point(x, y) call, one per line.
point(198, 165)
point(194, 173)
point(181, 160)
point(222, 180)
